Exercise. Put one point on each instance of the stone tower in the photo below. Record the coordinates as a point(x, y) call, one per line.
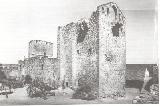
point(112, 50)
point(92, 52)
point(40, 48)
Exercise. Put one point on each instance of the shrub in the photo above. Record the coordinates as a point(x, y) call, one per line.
point(84, 93)
point(28, 79)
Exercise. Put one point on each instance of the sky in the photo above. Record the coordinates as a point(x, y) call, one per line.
point(25, 20)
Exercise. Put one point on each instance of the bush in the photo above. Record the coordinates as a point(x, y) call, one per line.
point(28, 79)
point(84, 93)
point(38, 88)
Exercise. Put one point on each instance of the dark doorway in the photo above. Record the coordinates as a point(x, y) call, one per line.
point(66, 84)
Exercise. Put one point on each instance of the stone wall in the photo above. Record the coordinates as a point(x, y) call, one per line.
point(112, 51)
point(65, 35)
point(78, 53)
point(86, 55)
point(92, 52)
point(42, 48)
point(43, 68)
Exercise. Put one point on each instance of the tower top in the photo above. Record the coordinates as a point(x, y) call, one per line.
point(104, 7)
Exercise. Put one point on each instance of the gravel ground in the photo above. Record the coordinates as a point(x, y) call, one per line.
point(19, 97)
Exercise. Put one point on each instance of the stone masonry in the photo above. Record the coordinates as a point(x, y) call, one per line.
point(40, 65)
point(44, 68)
point(40, 48)
point(112, 51)
point(92, 52)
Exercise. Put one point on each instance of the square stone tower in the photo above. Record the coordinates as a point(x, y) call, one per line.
point(92, 52)
point(112, 50)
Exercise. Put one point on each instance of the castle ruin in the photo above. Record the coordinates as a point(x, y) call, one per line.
point(40, 64)
point(92, 52)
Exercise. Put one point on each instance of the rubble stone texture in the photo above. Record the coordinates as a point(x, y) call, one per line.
point(39, 63)
point(42, 68)
point(40, 48)
point(92, 52)
point(112, 51)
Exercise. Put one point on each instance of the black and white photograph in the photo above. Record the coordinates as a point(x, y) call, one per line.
point(71, 52)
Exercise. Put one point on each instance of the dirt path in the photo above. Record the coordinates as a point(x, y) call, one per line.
point(19, 97)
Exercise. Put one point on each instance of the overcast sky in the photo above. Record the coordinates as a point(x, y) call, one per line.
point(25, 20)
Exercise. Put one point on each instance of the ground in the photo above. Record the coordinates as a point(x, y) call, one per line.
point(19, 97)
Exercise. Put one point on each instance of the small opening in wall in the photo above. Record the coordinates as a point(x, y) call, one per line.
point(115, 29)
point(66, 84)
point(78, 52)
point(107, 11)
point(89, 51)
point(115, 9)
point(42, 66)
point(102, 8)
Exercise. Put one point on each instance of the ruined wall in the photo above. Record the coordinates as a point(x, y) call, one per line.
point(43, 68)
point(112, 51)
point(65, 35)
point(86, 54)
point(96, 52)
point(38, 47)
point(78, 53)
